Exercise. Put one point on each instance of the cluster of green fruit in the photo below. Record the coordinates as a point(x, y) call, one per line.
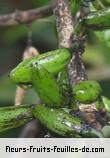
point(55, 113)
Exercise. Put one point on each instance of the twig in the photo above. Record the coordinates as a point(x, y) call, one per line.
point(19, 97)
point(22, 17)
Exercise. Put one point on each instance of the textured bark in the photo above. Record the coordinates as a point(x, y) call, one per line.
point(76, 67)
point(64, 22)
point(22, 17)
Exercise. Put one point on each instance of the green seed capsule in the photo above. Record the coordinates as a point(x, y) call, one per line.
point(87, 91)
point(13, 117)
point(106, 102)
point(62, 123)
point(98, 20)
point(53, 62)
point(47, 88)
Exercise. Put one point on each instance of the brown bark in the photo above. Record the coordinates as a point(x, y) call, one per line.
point(22, 17)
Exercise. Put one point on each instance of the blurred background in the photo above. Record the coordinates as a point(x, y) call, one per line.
point(13, 41)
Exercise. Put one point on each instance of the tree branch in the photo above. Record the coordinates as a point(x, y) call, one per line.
point(64, 22)
point(21, 17)
point(76, 68)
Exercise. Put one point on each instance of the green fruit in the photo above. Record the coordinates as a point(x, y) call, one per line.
point(53, 62)
point(98, 20)
point(13, 117)
point(47, 88)
point(58, 121)
point(62, 123)
point(87, 91)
